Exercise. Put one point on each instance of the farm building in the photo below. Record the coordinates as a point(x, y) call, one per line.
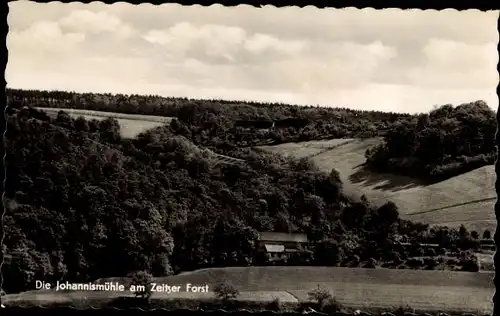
point(279, 246)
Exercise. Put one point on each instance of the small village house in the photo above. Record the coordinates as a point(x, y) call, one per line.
point(279, 246)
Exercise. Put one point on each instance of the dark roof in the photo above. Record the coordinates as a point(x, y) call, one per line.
point(269, 236)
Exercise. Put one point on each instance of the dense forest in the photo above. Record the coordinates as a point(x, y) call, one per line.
point(82, 203)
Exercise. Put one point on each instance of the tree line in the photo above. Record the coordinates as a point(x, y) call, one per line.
point(242, 120)
point(441, 144)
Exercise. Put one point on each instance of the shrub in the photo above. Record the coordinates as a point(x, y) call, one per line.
point(487, 234)
point(320, 296)
point(142, 281)
point(225, 291)
point(371, 263)
point(430, 252)
point(452, 261)
point(397, 259)
point(275, 305)
point(470, 264)
point(431, 263)
point(403, 310)
point(331, 305)
point(415, 262)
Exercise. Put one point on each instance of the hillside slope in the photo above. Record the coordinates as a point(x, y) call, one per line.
point(465, 199)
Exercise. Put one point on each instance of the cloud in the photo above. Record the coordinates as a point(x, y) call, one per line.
point(331, 66)
point(452, 64)
point(359, 58)
point(260, 43)
point(212, 40)
point(41, 37)
point(185, 39)
point(448, 54)
point(96, 22)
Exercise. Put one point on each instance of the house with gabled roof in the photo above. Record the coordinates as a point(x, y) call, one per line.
point(278, 246)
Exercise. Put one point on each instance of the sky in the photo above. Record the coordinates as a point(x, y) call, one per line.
point(389, 60)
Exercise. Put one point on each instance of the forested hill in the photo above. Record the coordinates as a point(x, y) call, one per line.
point(82, 203)
point(242, 121)
point(443, 143)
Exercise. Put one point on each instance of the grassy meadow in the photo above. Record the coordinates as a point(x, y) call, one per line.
point(352, 287)
point(130, 124)
point(466, 199)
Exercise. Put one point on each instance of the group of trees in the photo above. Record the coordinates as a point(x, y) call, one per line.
point(82, 203)
point(444, 143)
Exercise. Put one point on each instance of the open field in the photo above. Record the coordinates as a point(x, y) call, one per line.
point(353, 287)
point(466, 199)
point(306, 149)
point(130, 124)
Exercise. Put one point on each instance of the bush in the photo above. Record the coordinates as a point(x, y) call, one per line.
point(403, 310)
point(430, 252)
point(320, 296)
point(331, 305)
point(415, 263)
point(225, 291)
point(275, 305)
point(487, 234)
point(452, 262)
point(142, 281)
point(397, 259)
point(370, 264)
point(470, 264)
point(430, 263)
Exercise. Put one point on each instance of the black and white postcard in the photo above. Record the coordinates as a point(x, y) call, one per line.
point(287, 159)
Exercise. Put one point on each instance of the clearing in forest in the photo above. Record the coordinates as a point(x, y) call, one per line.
point(131, 125)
